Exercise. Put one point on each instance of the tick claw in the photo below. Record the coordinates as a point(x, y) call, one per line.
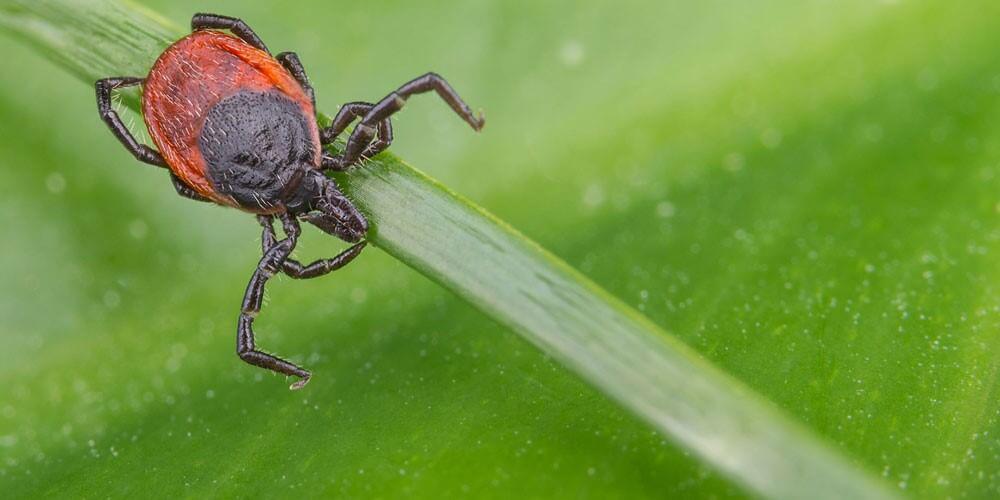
point(480, 120)
point(300, 384)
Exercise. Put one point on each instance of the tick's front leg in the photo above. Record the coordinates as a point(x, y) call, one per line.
point(296, 269)
point(270, 264)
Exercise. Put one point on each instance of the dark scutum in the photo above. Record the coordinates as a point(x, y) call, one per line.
point(252, 143)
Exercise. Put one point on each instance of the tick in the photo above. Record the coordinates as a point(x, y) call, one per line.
point(237, 127)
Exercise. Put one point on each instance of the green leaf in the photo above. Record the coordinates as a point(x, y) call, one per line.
point(504, 275)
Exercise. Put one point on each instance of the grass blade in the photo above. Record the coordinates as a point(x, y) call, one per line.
point(508, 277)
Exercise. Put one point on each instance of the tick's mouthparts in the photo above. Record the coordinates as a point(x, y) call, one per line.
point(294, 181)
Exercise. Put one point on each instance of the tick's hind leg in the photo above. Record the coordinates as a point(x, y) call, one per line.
point(271, 263)
point(291, 62)
point(237, 26)
point(141, 151)
point(361, 138)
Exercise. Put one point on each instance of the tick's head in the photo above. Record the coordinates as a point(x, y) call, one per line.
point(316, 199)
point(302, 189)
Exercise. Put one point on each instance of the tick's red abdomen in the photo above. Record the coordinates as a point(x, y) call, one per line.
point(189, 79)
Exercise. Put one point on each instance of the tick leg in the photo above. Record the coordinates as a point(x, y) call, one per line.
point(347, 114)
point(141, 151)
point(291, 62)
point(294, 268)
point(361, 139)
point(270, 264)
point(323, 267)
point(185, 190)
point(237, 26)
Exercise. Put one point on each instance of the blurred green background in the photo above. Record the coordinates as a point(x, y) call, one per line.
point(805, 192)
